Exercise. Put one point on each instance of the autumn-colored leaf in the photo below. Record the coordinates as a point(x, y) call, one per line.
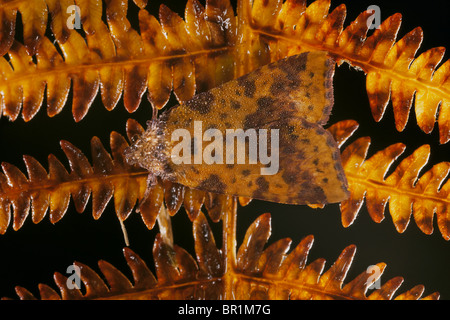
point(52, 190)
point(406, 192)
point(34, 20)
point(108, 177)
point(114, 58)
point(261, 273)
point(393, 70)
point(210, 45)
point(166, 53)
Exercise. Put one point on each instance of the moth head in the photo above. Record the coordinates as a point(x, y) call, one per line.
point(134, 153)
point(148, 151)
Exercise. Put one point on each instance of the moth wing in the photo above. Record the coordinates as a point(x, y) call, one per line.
point(300, 84)
point(293, 95)
point(306, 170)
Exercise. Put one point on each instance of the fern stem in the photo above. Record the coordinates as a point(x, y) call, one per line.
point(116, 62)
point(125, 233)
point(229, 248)
point(394, 189)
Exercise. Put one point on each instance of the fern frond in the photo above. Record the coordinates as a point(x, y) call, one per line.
point(109, 176)
point(260, 273)
point(393, 71)
point(42, 191)
point(406, 192)
point(35, 18)
point(342, 130)
point(165, 56)
point(207, 47)
point(206, 44)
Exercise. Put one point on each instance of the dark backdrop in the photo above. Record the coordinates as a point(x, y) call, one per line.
point(31, 255)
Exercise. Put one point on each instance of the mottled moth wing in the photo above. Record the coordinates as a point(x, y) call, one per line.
point(292, 97)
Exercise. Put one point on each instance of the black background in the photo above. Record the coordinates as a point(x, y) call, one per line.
point(31, 255)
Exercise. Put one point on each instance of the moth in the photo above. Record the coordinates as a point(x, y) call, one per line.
point(259, 136)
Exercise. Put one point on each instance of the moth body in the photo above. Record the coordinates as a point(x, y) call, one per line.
point(292, 97)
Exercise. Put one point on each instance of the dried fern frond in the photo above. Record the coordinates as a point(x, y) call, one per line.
point(34, 19)
point(183, 55)
point(275, 29)
point(206, 44)
point(260, 273)
point(109, 176)
point(343, 130)
point(406, 192)
point(43, 191)
point(206, 48)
